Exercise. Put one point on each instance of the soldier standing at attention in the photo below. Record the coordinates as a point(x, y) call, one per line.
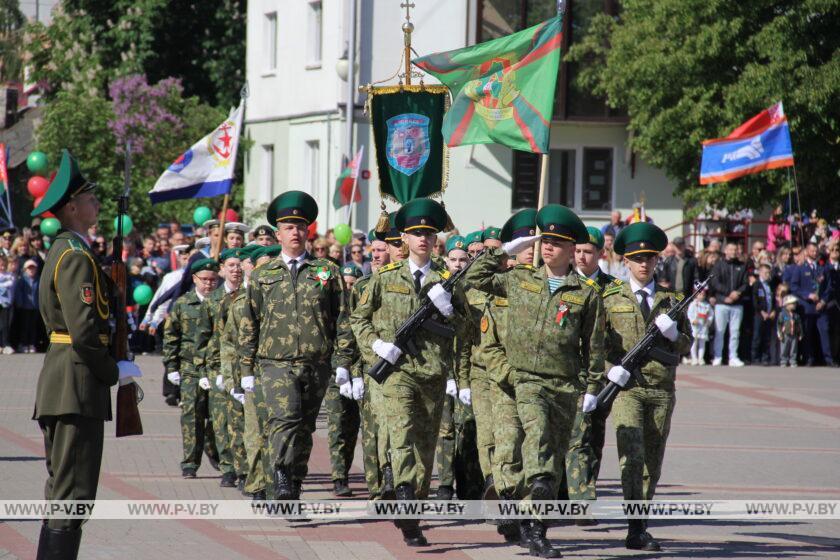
point(180, 358)
point(642, 414)
point(414, 392)
point(556, 332)
point(73, 396)
point(294, 312)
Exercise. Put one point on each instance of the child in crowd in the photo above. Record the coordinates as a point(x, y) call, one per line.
point(7, 284)
point(701, 316)
point(789, 331)
point(764, 318)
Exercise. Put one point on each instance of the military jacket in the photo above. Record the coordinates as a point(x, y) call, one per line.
point(626, 326)
point(388, 300)
point(207, 360)
point(549, 334)
point(477, 304)
point(359, 367)
point(74, 301)
point(493, 334)
point(228, 329)
point(180, 332)
point(286, 321)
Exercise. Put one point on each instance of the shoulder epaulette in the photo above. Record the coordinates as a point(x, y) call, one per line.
point(679, 296)
point(445, 274)
point(611, 290)
point(390, 266)
point(525, 266)
point(617, 282)
point(74, 243)
point(592, 284)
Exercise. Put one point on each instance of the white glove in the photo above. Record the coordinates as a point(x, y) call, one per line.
point(667, 326)
point(238, 396)
point(387, 351)
point(358, 388)
point(342, 376)
point(442, 300)
point(128, 369)
point(519, 244)
point(589, 402)
point(247, 383)
point(220, 382)
point(465, 396)
point(204, 383)
point(452, 389)
point(618, 375)
point(174, 377)
point(346, 390)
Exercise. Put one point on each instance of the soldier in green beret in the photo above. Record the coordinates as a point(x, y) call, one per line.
point(642, 414)
point(491, 237)
point(474, 242)
point(556, 333)
point(415, 390)
point(290, 327)
point(180, 357)
point(73, 395)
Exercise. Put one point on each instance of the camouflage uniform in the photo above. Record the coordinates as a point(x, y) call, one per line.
point(482, 405)
point(414, 392)
point(289, 327)
point(180, 354)
point(551, 338)
point(642, 415)
point(445, 450)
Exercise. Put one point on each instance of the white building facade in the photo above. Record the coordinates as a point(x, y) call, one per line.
point(295, 116)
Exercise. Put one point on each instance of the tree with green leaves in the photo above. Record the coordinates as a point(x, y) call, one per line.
point(690, 70)
point(11, 25)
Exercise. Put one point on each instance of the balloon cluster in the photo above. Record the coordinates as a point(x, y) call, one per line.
point(38, 165)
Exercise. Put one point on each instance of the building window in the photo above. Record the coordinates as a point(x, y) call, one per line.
point(591, 193)
point(561, 178)
point(596, 194)
point(267, 179)
point(270, 41)
point(313, 54)
point(312, 163)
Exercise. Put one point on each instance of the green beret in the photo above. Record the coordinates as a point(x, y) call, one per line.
point(351, 269)
point(235, 253)
point(595, 237)
point(491, 233)
point(474, 237)
point(558, 222)
point(292, 206)
point(67, 183)
point(267, 251)
point(456, 242)
point(639, 238)
point(521, 224)
point(204, 264)
point(372, 236)
point(247, 252)
point(263, 230)
point(421, 214)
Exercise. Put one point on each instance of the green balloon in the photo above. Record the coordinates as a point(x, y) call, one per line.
point(37, 163)
point(343, 234)
point(50, 226)
point(127, 225)
point(201, 215)
point(142, 294)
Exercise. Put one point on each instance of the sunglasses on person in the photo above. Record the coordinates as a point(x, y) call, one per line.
point(356, 252)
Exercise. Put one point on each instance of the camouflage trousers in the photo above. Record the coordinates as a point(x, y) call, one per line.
point(469, 481)
point(370, 440)
point(412, 415)
point(293, 396)
point(343, 421)
point(642, 420)
point(218, 403)
point(583, 460)
point(508, 435)
point(196, 427)
point(236, 430)
point(482, 407)
point(445, 450)
point(254, 435)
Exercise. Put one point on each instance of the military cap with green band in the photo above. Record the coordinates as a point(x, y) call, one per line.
point(292, 207)
point(263, 230)
point(421, 214)
point(595, 237)
point(474, 237)
point(491, 233)
point(521, 224)
point(67, 183)
point(640, 238)
point(350, 269)
point(560, 223)
point(456, 242)
point(204, 264)
point(235, 253)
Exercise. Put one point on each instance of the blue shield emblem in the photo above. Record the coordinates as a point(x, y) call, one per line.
point(183, 160)
point(408, 142)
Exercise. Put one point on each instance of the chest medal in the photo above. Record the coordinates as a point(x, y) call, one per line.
point(562, 311)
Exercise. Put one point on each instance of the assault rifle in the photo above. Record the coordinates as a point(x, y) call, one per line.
point(422, 318)
point(647, 348)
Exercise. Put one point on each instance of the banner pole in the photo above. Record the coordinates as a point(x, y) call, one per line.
point(541, 199)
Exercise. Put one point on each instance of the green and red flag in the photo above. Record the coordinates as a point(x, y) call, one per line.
point(503, 89)
point(346, 190)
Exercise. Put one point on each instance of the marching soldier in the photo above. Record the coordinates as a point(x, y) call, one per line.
point(642, 414)
point(294, 312)
point(413, 393)
point(556, 332)
point(73, 396)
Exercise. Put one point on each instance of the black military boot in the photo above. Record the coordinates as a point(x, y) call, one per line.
point(412, 534)
point(508, 528)
point(489, 493)
point(188, 472)
point(540, 545)
point(341, 489)
point(259, 496)
point(58, 544)
point(297, 485)
point(541, 489)
point(228, 480)
point(638, 538)
point(445, 492)
point(525, 533)
point(240, 483)
point(283, 487)
point(387, 492)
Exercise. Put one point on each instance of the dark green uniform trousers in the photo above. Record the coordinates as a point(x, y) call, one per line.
point(343, 421)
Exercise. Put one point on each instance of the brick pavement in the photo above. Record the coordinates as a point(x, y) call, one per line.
point(753, 433)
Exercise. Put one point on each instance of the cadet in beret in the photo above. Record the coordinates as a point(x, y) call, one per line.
point(491, 237)
point(180, 353)
point(556, 332)
point(290, 327)
point(264, 235)
point(351, 273)
point(414, 392)
point(73, 395)
point(474, 242)
point(642, 415)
